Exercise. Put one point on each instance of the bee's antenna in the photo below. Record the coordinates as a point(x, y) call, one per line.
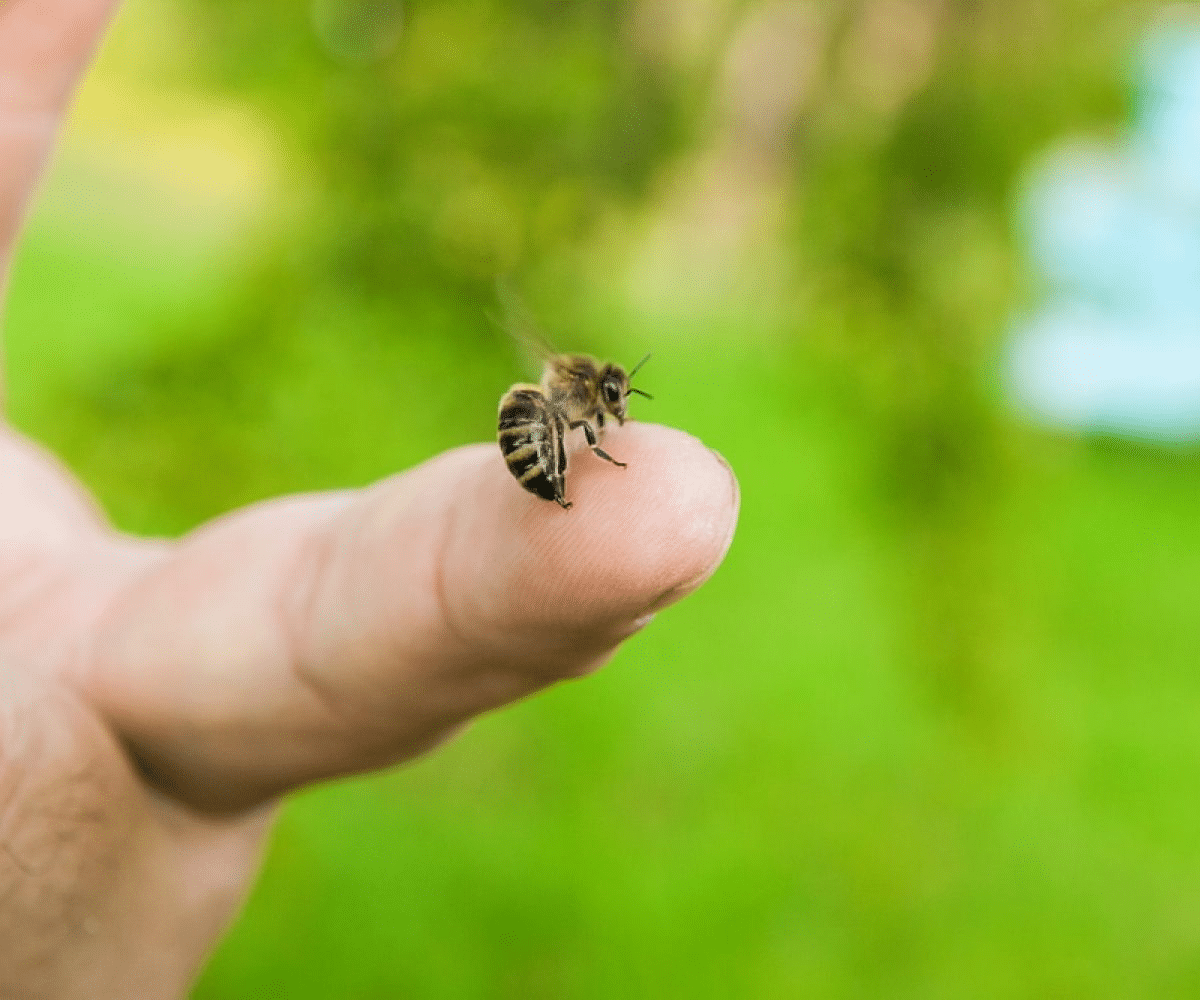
point(633, 372)
point(637, 366)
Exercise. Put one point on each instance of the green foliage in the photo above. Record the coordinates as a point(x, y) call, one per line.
point(928, 733)
point(482, 137)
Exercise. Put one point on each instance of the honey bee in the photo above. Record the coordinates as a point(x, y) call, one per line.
point(576, 391)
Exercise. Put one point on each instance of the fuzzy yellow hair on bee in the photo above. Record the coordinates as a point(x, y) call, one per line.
point(576, 392)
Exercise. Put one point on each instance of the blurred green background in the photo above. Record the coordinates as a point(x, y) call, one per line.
point(931, 731)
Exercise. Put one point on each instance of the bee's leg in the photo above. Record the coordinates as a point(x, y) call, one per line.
point(560, 464)
point(591, 440)
point(601, 453)
point(587, 430)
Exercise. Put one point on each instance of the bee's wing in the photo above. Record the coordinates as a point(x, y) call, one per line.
point(516, 320)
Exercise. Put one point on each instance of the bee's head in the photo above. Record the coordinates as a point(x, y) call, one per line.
point(615, 388)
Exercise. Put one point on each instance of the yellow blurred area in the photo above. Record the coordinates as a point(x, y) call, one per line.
point(144, 149)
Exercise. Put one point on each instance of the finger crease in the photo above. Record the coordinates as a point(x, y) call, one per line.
point(314, 559)
point(441, 554)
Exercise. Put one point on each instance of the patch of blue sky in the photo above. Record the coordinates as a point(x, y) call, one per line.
point(1112, 230)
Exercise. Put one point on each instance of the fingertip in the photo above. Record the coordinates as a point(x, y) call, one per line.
point(662, 526)
point(553, 583)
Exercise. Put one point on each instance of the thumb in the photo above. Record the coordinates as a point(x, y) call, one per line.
point(44, 47)
point(322, 635)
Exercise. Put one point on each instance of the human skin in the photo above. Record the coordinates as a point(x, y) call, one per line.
point(157, 698)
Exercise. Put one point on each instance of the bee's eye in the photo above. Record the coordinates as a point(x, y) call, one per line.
point(611, 392)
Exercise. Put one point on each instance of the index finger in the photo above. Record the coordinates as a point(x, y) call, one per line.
point(335, 633)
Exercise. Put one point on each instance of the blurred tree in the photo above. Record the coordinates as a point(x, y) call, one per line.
point(925, 113)
point(445, 143)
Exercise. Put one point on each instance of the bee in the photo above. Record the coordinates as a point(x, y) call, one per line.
point(576, 391)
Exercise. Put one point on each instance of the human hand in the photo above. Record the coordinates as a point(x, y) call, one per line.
point(156, 698)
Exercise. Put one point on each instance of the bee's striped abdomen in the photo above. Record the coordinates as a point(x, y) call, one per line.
point(531, 440)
